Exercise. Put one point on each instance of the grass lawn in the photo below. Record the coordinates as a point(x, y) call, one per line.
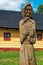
point(9, 57)
point(39, 57)
point(12, 57)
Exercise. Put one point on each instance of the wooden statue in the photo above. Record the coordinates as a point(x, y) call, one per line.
point(27, 37)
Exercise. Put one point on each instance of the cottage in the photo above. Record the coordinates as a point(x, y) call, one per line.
point(9, 29)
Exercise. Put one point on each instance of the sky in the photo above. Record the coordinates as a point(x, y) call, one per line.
point(17, 5)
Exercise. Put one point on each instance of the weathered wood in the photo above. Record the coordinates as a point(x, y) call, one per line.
point(27, 38)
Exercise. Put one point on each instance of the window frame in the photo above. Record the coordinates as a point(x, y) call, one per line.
point(39, 39)
point(6, 37)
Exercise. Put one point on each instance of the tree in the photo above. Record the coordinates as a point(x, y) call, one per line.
point(40, 9)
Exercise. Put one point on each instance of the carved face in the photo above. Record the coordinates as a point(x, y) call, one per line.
point(28, 11)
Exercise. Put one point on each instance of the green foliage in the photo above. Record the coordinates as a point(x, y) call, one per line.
point(40, 9)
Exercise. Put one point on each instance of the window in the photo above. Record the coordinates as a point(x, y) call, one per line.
point(7, 36)
point(39, 37)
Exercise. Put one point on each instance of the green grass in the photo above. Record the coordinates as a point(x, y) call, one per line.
point(9, 58)
point(12, 57)
point(39, 57)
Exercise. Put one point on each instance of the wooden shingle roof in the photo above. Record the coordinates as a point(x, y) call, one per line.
point(10, 19)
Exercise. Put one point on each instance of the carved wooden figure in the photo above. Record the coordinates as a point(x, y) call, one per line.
point(27, 37)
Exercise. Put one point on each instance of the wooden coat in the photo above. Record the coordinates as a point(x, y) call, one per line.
point(27, 26)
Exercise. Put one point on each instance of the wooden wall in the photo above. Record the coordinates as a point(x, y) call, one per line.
point(15, 39)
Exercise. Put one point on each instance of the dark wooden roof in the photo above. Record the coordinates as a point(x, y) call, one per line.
point(10, 19)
